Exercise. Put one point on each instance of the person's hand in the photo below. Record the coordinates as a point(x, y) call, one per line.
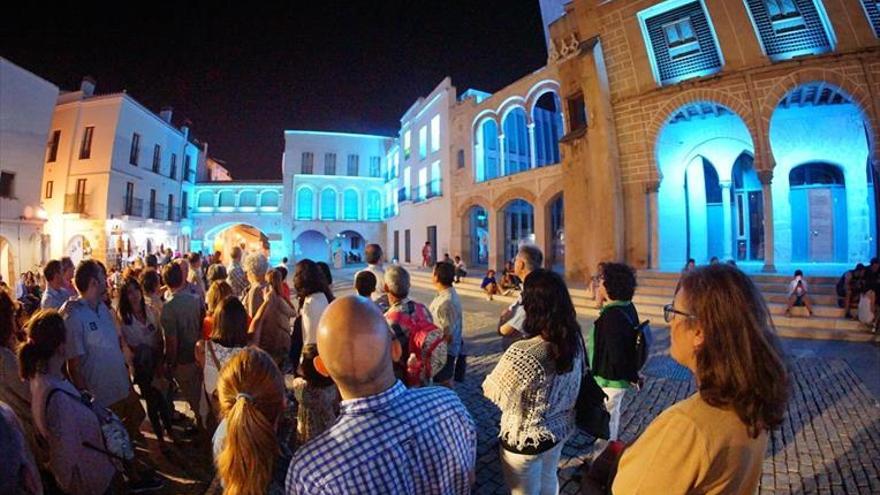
point(267, 292)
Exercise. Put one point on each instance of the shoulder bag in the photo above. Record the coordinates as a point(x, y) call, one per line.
point(590, 413)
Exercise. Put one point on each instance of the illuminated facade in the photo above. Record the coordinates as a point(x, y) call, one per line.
point(699, 128)
point(26, 105)
point(117, 178)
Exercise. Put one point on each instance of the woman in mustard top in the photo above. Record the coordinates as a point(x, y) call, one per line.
point(714, 441)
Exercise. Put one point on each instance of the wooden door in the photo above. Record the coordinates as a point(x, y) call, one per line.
point(821, 225)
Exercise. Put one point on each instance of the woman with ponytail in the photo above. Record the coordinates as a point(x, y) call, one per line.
point(60, 416)
point(250, 458)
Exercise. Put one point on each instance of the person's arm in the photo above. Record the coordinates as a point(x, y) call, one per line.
point(443, 319)
point(255, 332)
point(199, 352)
point(74, 348)
point(515, 323)
point(169, 330)
point(73, 372)
point(671, 453)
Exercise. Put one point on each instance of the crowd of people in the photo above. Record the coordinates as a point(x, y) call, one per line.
point(300, 391)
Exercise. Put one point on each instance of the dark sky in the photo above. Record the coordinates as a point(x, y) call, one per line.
point(243, 75)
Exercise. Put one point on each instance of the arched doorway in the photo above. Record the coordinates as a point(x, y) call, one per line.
point(249, 238)
point(818, 204)
point(517, 150)
point(748, 210)
point(556, 256)
point(78, 248)
point(7, 263)
point(519, 226)
point(700, 150)
point(547, 116)
point(313, 245)
point(486, 156)
point(478, 233)
point(352, 245)
point(823, 198)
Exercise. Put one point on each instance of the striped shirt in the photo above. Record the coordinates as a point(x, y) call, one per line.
point(401, 441)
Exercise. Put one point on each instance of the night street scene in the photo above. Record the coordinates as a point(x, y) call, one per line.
point(396, 247)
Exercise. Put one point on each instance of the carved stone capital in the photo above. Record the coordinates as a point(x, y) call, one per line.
point(652, 186)
point(765, 176)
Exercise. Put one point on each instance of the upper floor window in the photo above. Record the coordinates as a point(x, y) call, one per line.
point(173, 172)
point(308, 159)
point(188, 172)
point(681, 43)
point(872, 8)
point(50, 185)
point(53, 146)
point(435, 133)
point(791, 28)
point(423, 183)
point(375, 166)
point(157, 158)
point(329, 163)
point(135, 149)
point(7, 185)
point(407, 144)
point(352, 169)
point(460, 160)
point(423, 142)
point(85, 149)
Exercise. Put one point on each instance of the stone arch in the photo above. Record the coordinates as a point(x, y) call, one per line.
point(540, 89)
point(512, 194)
point(549, 194)
point(858, 93)
point(697, 95)
point(471, 201)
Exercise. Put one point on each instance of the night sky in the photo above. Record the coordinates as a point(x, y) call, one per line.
point(243, 76)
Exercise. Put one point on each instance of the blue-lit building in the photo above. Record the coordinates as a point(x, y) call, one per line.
point(743, 130)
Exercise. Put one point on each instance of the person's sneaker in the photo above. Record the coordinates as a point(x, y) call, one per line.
point(145, 485)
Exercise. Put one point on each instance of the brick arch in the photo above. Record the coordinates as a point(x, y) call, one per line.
point(549, 193)
point(512, 194)
point(697, 95)
point(539, 90)
point(470, 202)
point(860, 95)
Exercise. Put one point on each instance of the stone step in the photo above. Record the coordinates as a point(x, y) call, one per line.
point(765, 286)
point(757, 277)
point(826, 324)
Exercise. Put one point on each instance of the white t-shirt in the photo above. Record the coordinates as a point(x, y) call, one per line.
point(312, 309)
point(379, 272)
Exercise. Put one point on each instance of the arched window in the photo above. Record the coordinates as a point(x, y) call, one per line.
point(374, 206)
point(247, 199)
point(305, 201)
point(486, 151)
point(815, 173)
point(328, 204)
point(206, 199)
point(517, 154)
point(548, 129)
point(350, 205)
point(227, 199)
point(269, 199)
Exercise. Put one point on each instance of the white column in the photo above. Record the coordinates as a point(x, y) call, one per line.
point(728, 220)
point(533, 154)
point(502, 156)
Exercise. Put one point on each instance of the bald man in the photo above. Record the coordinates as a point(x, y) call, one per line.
point(388, 439)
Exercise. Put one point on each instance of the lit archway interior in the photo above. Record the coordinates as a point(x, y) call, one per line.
point(478, 233)
point(709, 189)
point(519, 226)
point(556, 256)
point(78, 248)
point(313, 245)
point(7, 263)
point(547, 117)
point(248, 238)
point(823, 195)
point(350, 248)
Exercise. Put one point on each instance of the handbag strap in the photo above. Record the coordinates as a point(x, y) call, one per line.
point(210, 347)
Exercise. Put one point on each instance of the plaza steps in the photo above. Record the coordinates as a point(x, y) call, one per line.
point(656, 289)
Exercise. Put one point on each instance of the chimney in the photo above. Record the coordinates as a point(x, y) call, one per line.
point(166, 113)
point(87, 86)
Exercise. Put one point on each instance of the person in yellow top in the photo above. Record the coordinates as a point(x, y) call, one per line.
point(714, 441)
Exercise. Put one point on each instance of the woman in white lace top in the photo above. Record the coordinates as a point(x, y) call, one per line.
point(535, 384)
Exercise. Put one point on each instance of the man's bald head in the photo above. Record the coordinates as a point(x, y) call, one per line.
point(355, 345)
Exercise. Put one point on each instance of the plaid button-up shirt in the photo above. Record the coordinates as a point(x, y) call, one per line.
point(401, 441)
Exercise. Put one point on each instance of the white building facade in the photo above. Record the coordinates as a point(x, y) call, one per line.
point(26, 105)
point(421, 162)
point(118, 179)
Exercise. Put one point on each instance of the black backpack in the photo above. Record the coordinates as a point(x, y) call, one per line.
point(644, 339)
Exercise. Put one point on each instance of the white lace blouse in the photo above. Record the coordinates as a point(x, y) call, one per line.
point(536, 404)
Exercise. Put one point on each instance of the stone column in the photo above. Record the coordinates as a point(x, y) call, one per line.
point(533, 154)
point(502, 156)
point(542, 227)
point(728, 220)
point(653, 224)
point(496, 239)
point(766, 178)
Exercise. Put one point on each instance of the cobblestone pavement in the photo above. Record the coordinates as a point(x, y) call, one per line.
point(829, 442)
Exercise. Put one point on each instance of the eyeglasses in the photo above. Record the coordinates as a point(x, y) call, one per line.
point(669, 313)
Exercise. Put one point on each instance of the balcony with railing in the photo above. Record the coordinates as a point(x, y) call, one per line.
point(76, 203)
point(388, 212)
point(157, 211)
point(430, 190)
point(133, 207)
point(403, 195)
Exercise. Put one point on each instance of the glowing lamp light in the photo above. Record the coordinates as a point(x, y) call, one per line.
point(42, 214)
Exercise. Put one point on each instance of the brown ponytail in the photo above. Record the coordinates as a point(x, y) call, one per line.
point(45, 335)
point(251, 392)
